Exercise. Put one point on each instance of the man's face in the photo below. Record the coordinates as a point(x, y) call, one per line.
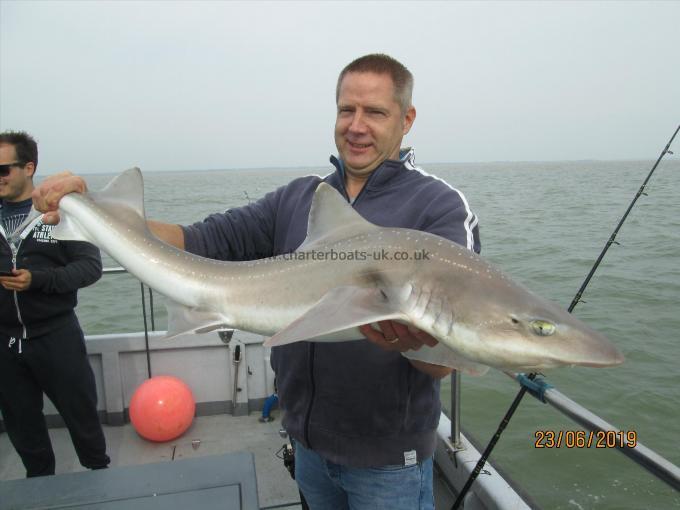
point(18, 184)
point(370, 125)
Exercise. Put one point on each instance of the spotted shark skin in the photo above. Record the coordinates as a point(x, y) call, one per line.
point(344, 275)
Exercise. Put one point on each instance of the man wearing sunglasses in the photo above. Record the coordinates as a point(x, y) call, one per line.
point(42, 348)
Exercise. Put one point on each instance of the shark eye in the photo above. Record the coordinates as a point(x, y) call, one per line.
point(543, 328)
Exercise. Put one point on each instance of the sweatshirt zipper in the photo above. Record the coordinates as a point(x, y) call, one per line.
point(15, 252)
point(343, 187)
point(361, 193)
point(311, 398)
point(356, 199)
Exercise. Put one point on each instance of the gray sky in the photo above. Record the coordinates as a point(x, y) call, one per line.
point(184, 85)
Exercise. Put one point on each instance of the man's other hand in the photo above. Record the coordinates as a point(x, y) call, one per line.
point(395, 336)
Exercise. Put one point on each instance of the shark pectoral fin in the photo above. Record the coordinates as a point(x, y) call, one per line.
point(182, 319)
point(440, 354)
point(340, 309)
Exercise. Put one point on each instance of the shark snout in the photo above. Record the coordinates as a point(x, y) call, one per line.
point(603, 353)
point(591, 349)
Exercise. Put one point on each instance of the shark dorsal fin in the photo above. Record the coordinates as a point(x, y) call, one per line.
point(332, 218)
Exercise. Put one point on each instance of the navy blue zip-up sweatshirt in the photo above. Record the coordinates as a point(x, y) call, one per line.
point(58, 270)
point(352, 402)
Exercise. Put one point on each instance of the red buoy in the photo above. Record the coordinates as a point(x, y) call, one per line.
point(162, 408)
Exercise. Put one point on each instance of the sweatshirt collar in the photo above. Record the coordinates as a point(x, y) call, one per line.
point(16, 206)
point(381, 175)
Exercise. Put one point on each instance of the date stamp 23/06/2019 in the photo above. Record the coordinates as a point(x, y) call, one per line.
point(585, 439)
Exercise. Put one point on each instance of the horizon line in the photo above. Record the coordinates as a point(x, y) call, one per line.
point(307, 167)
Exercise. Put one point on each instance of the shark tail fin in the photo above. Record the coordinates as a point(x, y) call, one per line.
point(123, 198)
point(124, 195)
point(126, 189)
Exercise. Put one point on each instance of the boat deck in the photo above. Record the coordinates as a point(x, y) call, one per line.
point(229, 397)
point(208, 435)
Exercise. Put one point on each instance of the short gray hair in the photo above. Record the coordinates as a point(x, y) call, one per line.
point(379, 63)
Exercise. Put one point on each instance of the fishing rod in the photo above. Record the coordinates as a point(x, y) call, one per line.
point(577, 298)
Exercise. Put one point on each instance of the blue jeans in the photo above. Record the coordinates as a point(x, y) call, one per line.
point(329, 486)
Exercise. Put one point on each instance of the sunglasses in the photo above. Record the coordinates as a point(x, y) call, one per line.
point(5, 169)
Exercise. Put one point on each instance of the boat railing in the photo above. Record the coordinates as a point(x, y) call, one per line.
point(121, 270)
point(648, 459)
point(598, 428)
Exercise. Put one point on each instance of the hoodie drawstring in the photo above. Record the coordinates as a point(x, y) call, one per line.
point(12, 341)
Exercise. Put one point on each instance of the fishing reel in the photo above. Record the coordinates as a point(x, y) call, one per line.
point(287, 454)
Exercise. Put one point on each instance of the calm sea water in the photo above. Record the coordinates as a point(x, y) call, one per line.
point(545, 224)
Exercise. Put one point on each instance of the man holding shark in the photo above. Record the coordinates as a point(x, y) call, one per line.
point(362, 416)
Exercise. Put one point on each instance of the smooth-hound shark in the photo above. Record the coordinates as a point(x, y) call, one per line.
point(345, 274)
